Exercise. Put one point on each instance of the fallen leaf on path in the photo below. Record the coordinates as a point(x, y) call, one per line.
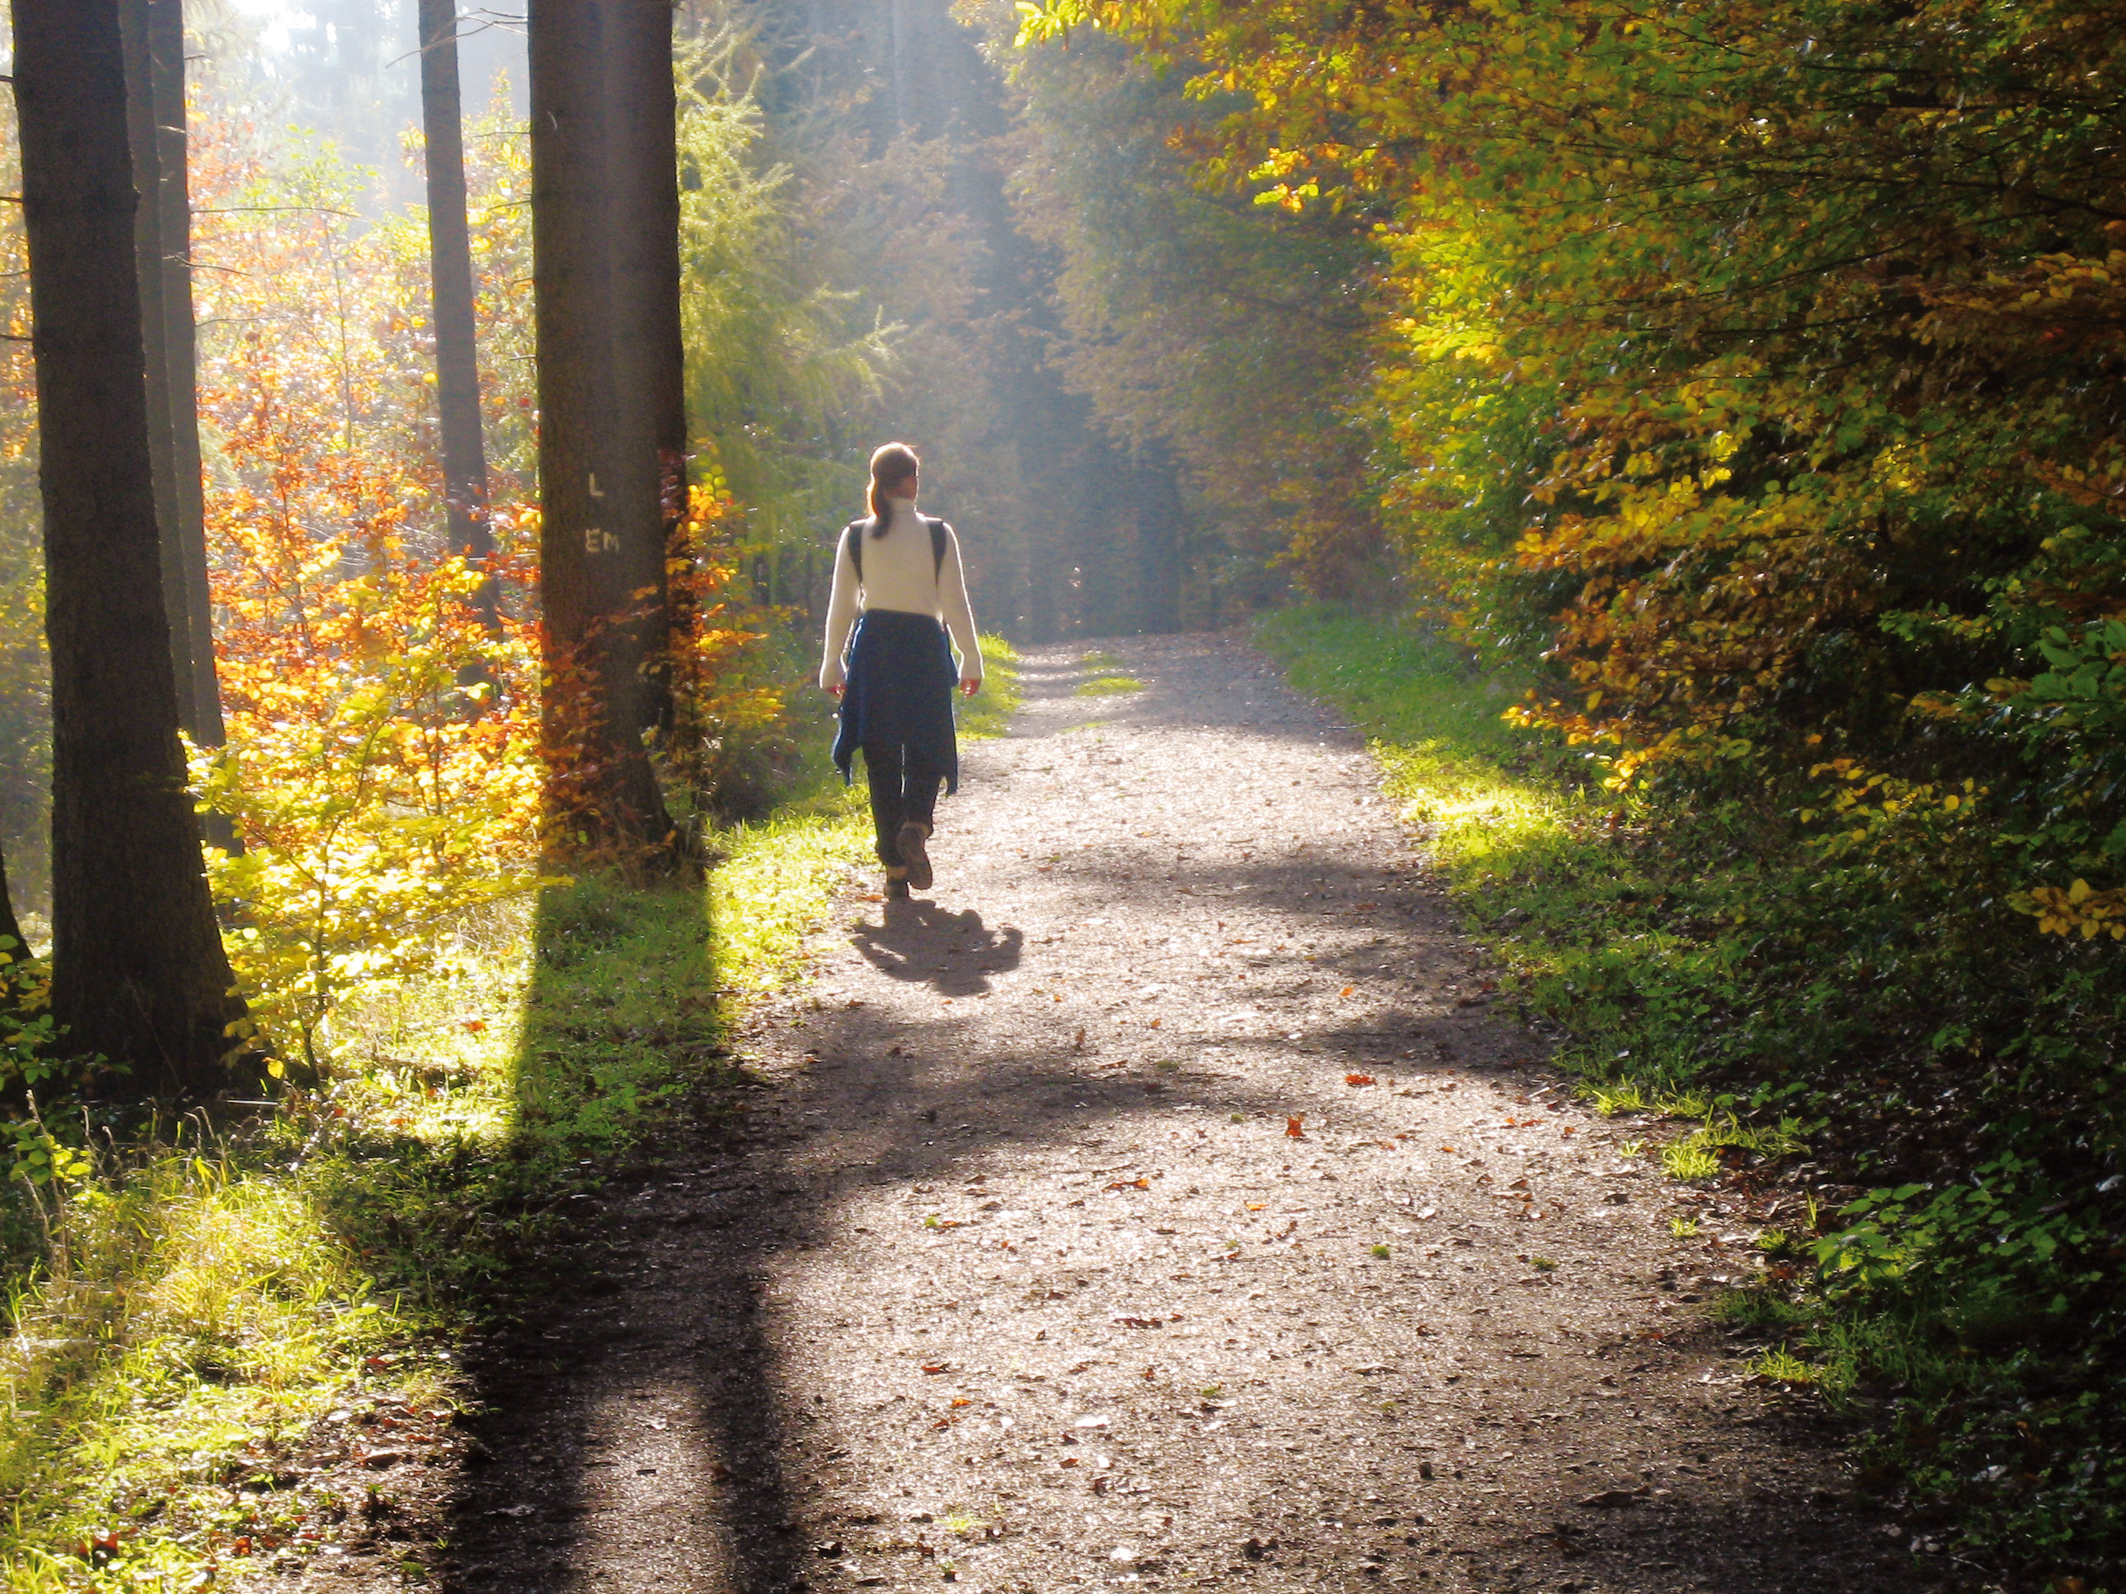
point(1292, 1128)
point(1611, 1499)
point(937, 1367)
point(1257, 1206)
point(1131, 1184)
point(1138, 1322)
point(1347, 990)
point(1358, 1079)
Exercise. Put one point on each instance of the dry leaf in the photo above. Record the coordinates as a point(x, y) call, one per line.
point(1358, 1079)
point(1257, 1206)
point(1292, 1128)
point(1347, 990)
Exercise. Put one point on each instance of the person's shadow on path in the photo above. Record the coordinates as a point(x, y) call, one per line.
point(922, 943)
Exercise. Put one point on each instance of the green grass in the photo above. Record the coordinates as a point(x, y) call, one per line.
point(1105, 677)
point(989, 711)
point(1878, 1013)
point(197, 1307)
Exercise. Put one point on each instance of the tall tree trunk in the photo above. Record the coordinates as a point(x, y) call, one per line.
point(138, 971)
point(145, 144)
point(596, 496)
point(649, 353)
point(180, 346)
point(450, 276)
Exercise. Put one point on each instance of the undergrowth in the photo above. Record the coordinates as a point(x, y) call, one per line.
point(1940, 1082)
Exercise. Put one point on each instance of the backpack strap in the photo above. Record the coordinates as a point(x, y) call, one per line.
point(853, 540)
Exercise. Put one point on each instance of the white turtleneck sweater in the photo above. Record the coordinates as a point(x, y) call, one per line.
point(898, 574)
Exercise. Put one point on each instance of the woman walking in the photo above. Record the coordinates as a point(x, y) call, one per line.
point(899, 584)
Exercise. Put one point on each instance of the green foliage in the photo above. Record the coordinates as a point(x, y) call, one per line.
point(1846, 1004)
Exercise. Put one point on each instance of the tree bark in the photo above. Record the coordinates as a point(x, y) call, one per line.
point(450, 275)
point(180, 365)
point(138, 970)
point(597, 496)
point(649, 353)
point(145, 145)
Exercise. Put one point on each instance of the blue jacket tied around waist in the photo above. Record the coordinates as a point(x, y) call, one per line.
point(899, 693)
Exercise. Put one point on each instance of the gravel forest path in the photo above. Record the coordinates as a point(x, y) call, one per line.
point(1155, 1202)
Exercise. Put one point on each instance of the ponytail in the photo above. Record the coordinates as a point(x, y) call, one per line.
point(891, 465)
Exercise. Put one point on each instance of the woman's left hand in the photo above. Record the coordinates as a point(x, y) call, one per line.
point(970, 684)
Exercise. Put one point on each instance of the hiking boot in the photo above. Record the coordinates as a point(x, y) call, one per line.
point(909, 844)
point(896, 890)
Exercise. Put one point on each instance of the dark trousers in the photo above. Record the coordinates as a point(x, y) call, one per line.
point(904, 786)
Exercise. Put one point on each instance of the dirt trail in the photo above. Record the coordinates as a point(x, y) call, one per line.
point(1019, 1280)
